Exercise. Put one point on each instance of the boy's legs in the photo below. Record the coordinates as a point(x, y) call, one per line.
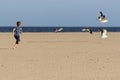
point(17, 40)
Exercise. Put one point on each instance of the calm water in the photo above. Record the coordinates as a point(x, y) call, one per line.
point(52, 29)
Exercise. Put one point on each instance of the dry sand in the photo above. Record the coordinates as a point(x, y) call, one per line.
point(60, 56)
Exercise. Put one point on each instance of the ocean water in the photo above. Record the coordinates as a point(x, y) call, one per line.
point(52, 29)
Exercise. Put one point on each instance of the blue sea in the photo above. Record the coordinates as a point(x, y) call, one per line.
point(52, 29)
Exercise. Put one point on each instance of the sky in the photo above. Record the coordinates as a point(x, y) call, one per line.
point(58, 12)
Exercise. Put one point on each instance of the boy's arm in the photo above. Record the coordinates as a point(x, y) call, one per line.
point(13, 30)
point(21, 31)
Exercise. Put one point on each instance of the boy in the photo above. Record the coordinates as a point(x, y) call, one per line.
point(16, 32)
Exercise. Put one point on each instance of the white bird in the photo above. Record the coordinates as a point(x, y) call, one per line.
point(88, 30)
point(103, 33)
point(58, 29)
point(102, 18)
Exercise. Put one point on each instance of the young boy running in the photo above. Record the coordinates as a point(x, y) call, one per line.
point(16, 32)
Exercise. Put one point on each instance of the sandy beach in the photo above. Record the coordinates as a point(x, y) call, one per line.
point(60, 56)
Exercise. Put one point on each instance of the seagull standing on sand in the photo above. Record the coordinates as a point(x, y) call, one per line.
point(103, 33)
point(102, 18)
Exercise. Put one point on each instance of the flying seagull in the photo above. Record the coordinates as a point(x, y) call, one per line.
point(58, 30)
point(103, 33)
point(102, 18)
point(88, 30)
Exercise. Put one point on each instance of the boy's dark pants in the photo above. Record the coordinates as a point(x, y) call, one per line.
point(17, 37)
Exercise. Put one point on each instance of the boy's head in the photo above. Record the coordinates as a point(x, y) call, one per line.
point(18, 23)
